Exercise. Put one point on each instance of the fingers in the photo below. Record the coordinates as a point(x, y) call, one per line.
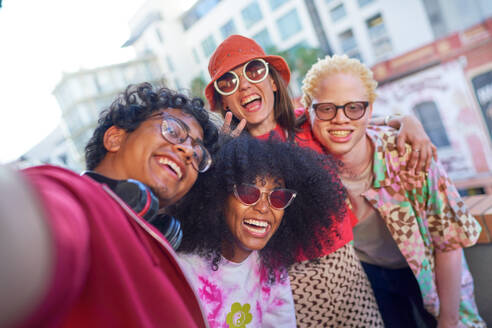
point(239, 128)
point(424, 160)
point(434, 152)
point(226, 127)
point(430, 153)
point(400, 144)
point(414, 158)
point(421, 158)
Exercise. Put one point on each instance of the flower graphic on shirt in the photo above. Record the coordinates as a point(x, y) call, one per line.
point(239, 316)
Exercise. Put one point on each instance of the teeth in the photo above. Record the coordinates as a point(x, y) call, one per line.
point(340, 133)
point(256, 230)
point(175, 167)
point(256, 223)
point(249, 99)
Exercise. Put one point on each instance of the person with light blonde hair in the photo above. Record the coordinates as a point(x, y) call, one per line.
point(337, 64)
point(412, 225)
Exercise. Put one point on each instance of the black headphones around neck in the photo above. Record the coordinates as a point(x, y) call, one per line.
point(142, 200)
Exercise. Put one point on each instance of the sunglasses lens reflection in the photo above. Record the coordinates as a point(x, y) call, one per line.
point(280, 198)
point(248, 194)
point(227, 82)
point(256, 70)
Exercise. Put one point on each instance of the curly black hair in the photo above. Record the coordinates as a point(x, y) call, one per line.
point(135, 105)
point(320, 199)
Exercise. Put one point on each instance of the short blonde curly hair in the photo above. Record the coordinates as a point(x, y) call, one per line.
point(333, 65)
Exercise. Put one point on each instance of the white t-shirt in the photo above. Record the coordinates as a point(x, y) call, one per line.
point(238, 294)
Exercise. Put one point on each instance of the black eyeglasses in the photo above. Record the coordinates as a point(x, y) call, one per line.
point(254, 71)
point(353, 110)
point(177, 132)
point(278, 198)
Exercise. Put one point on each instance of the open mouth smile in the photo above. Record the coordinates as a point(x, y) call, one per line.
point(256, 227)
point(172, 165)
point(251, 102)
point(340, 133)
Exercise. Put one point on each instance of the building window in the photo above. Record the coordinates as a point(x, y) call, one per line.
point(105, 81)
point(379, 37)
point(429, 116)
point(349, 44)
point(251, 14)
point(195, 55)
point(84, 115)
point(158, 34)
point(482, 85)
point(263, 39)
point(149, 70)
point(228, 29)
point(199, 10)
point(362, 3)
point(274, 4)
point(289, 24)
point(338, 12)
point(120, 79)
point(97, 84)
point(208, 46)
point(436, 18)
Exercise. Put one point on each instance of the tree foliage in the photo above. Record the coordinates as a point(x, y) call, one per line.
point(198, 85)
point(300, 58)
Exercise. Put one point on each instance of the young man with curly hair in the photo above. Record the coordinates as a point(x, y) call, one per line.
point(74, 253)
point(412, 225)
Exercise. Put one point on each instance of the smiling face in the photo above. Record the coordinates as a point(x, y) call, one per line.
point(254, 102)
point(341, 136)
point(146, 156)
point(251, 226)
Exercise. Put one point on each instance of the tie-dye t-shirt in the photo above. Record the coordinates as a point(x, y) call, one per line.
point(238, 295)
point(424, 213)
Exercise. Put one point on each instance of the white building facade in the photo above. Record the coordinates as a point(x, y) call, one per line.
point(84, 94)
point(371, 30)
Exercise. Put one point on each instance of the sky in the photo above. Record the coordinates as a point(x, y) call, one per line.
point(41, 39)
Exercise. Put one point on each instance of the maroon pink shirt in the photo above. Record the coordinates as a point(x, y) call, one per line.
point(110, 270)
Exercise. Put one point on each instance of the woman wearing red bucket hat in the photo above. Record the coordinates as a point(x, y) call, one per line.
point(252, 85)
point(330, 289)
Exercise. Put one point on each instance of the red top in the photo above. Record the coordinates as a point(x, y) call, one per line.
point(342, 231)
point(111, 268)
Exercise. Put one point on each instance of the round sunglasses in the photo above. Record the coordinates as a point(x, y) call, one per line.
point(278, 198)
point(353, 110)
point(254, 71)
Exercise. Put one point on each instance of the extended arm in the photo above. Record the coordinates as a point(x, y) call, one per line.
point(25, 249)
point(451, 227)
point(413, 133)
point(448, 279)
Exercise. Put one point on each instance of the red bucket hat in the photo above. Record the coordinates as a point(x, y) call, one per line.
point(237, 50)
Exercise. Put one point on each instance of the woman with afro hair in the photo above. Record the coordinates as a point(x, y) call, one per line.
point(250, 217)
